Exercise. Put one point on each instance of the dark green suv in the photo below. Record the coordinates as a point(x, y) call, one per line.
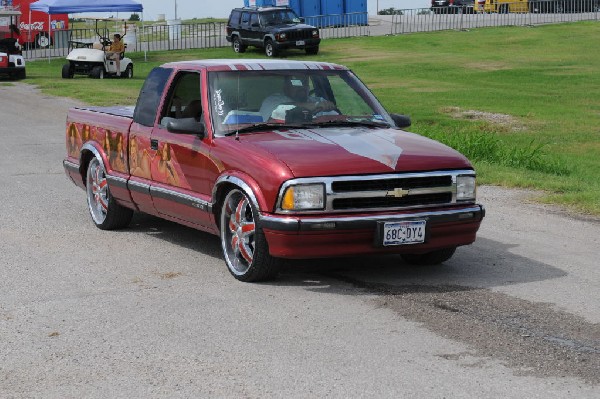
point(271, 28)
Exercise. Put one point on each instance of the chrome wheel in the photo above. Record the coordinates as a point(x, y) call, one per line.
point(106, 212)
point(237, 232)
point(244, 244)
point(98, 196)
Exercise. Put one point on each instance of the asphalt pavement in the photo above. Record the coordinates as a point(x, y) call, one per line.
point(152, 312)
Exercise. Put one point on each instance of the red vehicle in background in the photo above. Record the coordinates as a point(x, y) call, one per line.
point(36, 28)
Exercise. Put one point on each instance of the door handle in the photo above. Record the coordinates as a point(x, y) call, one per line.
point(153, 144)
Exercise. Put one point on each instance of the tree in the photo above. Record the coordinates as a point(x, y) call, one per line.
point(390, 11)
point(134, 17)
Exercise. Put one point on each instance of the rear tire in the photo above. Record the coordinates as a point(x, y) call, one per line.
point(129, 71)
point(237, 45)
point(106, 213)
point(429, 258)
point(67, 71)
point(244, 244)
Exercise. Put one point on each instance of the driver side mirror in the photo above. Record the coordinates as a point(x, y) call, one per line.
point(186, 126)
point(401, 121)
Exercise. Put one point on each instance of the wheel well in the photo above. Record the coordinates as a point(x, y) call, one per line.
point(222, 191)
point(86, 157)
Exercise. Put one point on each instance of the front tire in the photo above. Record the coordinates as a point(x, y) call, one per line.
point(312, 50)
point(129, 71)
point(243, 241)
point(270, 50)
point(106, 213)
point(67, 71)
point(429, 258)
point(97, 72)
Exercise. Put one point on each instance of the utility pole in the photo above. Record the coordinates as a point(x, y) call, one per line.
point(176, 9)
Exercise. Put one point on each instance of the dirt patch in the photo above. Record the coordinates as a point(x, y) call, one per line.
point(506, 121)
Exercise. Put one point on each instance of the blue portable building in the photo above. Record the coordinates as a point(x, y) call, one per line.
point(356, 12)
point(332, 11)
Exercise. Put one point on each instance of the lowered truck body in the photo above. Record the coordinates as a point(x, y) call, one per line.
point(326, 172)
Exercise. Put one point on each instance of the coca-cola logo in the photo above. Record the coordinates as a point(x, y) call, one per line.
point(32, 26)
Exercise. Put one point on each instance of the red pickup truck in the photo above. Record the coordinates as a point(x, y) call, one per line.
point(281, 159)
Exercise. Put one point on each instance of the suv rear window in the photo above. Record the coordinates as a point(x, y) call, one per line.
point(234, 18)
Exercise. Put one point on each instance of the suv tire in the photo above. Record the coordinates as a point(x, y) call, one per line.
point(312, 50)
point(237, 45)
point(270, 50)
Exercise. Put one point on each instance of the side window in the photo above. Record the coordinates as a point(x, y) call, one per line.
point(183, 99)
point(245, 20)
point(254, 19)
point(150, 96)
point(347, 100)
point(234, 19)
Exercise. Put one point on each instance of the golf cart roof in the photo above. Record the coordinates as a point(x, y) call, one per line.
point(8, 12)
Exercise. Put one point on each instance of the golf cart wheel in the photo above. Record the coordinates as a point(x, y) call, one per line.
point(18, 75)
point(67, 71)
point(97, 72)
point(129, 71)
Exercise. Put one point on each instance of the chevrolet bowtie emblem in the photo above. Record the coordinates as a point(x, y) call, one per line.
point(398, 193)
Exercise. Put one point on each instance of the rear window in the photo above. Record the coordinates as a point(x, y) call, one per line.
point(234, 18)
point(150, 96)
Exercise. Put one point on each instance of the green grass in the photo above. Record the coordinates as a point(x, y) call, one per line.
point(536, 93)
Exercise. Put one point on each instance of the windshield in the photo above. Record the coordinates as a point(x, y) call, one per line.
point(291, 98)
point(278, 17)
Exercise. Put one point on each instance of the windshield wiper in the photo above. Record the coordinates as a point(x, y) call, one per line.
point(262, 126)
point(334, 122)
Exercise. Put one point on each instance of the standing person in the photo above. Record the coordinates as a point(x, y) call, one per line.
point(114, 52)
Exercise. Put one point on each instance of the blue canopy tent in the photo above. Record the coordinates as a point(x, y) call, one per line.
point(81, 6)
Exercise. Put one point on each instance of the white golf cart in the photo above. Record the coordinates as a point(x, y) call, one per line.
point(89, 57)
point(12, 63)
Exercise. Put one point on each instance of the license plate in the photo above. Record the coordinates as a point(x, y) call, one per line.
point(402, 233)
point(300, 43)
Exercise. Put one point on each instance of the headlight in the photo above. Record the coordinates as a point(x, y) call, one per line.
point(315, 33)
point(282, 36)
point(304, 197)
point(465, 188)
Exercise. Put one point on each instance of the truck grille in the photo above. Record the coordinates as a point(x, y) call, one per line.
point(299, 34)
point(390, 184)
point(396, 191)
point(373, 203)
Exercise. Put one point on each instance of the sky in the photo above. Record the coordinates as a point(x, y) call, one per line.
point(187, 9)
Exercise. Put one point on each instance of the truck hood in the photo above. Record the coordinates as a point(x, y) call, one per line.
point(355, 151)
